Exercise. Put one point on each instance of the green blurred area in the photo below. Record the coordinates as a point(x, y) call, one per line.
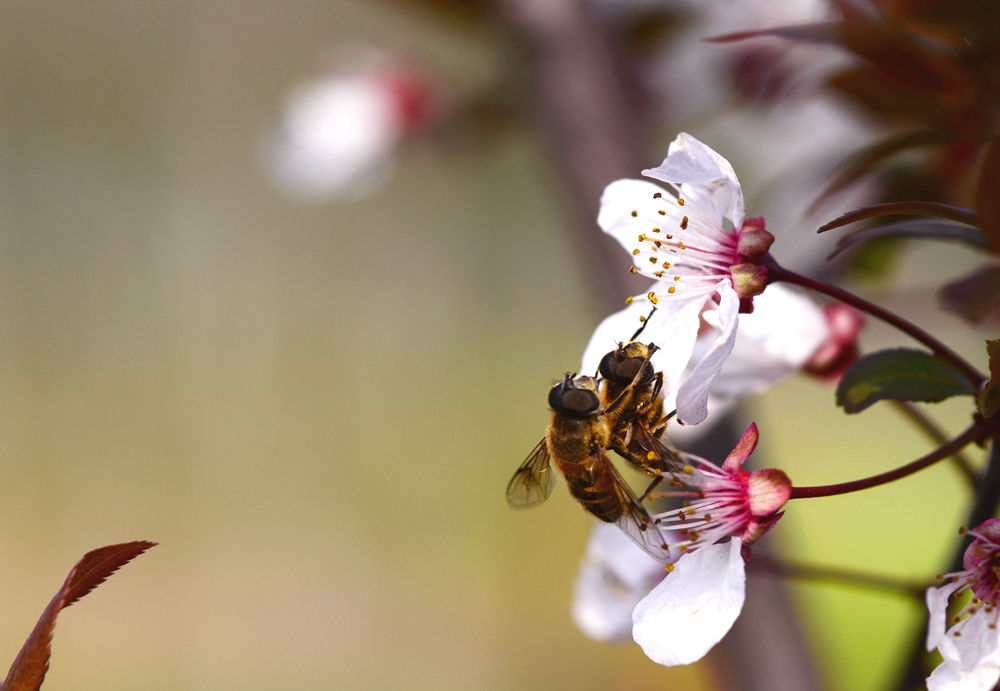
point(315, 409)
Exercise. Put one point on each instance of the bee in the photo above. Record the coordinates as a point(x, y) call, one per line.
point(576, 441)
point(638, 427)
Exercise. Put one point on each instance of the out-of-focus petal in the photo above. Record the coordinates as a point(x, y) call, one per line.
point(614, 576)
point(692, 397)
point(693, 607)
point(776, 339)
point(704, 176)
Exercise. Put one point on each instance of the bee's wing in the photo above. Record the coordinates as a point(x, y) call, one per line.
point(637, 523)
point(532, 482)
point(666, 459)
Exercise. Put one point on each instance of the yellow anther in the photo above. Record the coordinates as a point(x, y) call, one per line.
point(642, 237)
point(677, 278)
point(652, 260)
point(688, 469)
point(635, 252)
point(657, 195)
point(632, 270)
point(666, 265)
point(629, 300)
point(680, 201)
point(652, 455)
point(670, 236)
point(634, 214)
point(656, 230)
point(671, 290)
point(669, 568)
point(684, 223)
point(659, 274)
point(662, 212)
point(653, 299)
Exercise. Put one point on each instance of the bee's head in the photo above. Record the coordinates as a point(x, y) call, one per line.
point(575, 396)
point(622, 364)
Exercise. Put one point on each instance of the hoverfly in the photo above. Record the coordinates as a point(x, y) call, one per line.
point(637, 428)
point(577, 439)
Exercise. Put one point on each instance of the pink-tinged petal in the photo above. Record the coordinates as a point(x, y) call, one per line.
point(673, 328)
point(614, 576)
point(702, 175)
point(619, 201)
point(693, 607)
point(972, 660)
point(692, 397)
point(742, 450)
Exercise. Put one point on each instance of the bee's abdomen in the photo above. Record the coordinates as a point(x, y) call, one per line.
point(595, 492)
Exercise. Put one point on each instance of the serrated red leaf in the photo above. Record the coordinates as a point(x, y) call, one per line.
point(29, 668)
point(986, 199)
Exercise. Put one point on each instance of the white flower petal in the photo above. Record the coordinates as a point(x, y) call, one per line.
point(693, 607)
point(673, 328)
point(614, 575)
point(692, 397)
point(972, 660)
point(937, 607)
point(702, 175)
point(619, 201)
point(774, 340)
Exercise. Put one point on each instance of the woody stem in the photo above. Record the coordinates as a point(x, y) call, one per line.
point(778, 273)
point(975, 432)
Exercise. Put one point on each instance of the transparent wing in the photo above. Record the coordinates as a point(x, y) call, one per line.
point(637, 523)
point(533, 481)
point(664, 458)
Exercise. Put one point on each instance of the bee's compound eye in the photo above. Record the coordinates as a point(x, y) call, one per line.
point(626, 371)
point(570, 400)
point(609, 365)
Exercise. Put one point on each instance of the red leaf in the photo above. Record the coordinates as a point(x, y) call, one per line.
point(31, 664)
point(987, 194)
point(818, 32)
point(976, 297)
point(935, 209)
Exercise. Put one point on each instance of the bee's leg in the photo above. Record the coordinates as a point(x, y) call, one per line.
point(658, 385)
point(661, 425)
point(652, 485)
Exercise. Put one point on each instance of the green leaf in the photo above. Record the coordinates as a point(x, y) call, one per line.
point(989, 398)
point(900, 374)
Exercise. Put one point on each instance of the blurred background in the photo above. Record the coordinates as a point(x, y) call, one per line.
point(312, 394)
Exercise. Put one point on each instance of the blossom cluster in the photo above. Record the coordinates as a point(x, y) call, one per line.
point(724, 328)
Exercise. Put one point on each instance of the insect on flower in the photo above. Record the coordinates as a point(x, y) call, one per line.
point(580, 432)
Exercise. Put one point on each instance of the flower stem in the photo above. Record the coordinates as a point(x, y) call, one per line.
point(779, 273)
point(975, 432)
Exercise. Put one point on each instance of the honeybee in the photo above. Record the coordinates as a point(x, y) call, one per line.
point(576, 441)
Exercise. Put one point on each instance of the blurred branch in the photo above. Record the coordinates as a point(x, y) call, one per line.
point(592, 135)
point(582, 106)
